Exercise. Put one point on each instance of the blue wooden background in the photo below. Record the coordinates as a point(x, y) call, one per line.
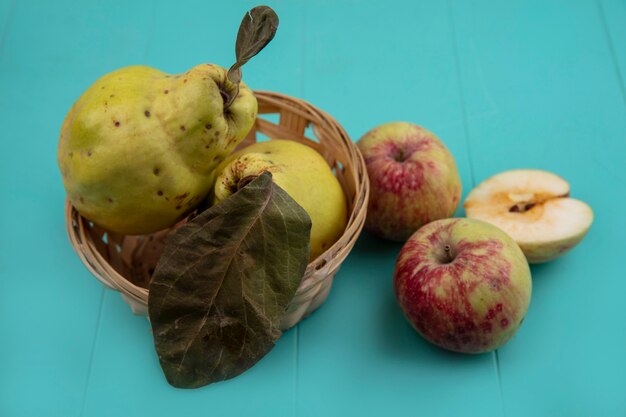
point(506, 84)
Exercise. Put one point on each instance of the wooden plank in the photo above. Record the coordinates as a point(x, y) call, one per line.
point(50, 304)
point(613, 15)
point(126, 378)
point(7, 10)
point(542, 92)
point(43, 72)
point(368, 64)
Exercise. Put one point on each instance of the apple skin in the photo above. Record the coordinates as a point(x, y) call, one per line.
point(469, 299)
point(413, 179)
point(547, 251)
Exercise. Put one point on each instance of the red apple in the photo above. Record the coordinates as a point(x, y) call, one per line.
point(413, 179)
point(463, 284)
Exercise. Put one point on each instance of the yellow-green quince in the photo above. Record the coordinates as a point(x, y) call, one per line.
point(138, 150)
point(302, 173)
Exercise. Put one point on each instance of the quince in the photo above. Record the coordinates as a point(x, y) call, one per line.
point(138, 150)
point(302, 173)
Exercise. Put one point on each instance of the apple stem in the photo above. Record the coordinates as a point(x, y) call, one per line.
point(448, 251)
point(400, 156)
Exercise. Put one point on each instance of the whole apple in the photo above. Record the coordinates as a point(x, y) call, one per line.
point(413, 179)
point(463, 284)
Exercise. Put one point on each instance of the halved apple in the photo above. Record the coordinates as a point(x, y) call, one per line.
point(534, 208)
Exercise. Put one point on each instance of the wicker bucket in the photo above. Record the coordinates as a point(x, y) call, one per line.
point(125, 263)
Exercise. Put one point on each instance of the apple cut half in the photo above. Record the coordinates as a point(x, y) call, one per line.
point(534, 208)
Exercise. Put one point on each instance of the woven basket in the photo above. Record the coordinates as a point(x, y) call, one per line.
point(125, 263)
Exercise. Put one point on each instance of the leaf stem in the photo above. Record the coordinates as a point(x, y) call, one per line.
point(257, 29)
